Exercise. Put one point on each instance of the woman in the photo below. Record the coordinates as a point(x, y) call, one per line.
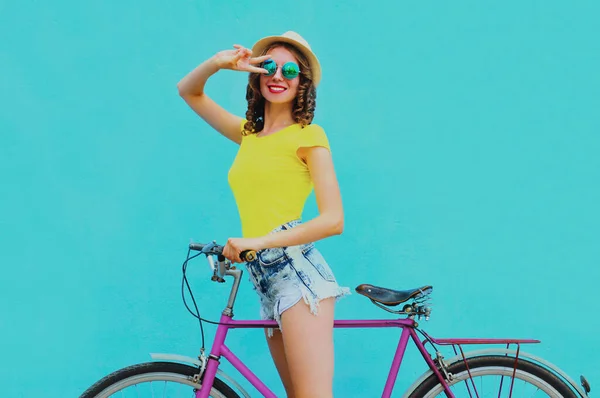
point(282, 157)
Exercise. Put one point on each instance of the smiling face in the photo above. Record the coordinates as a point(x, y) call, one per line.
point(299, 92)
point(276, 88)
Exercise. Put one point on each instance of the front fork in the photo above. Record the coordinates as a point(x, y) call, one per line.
point(197, 378)
point(210, 364)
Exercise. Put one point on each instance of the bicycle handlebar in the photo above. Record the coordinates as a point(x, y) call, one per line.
point(217, 250)
point(196, 246)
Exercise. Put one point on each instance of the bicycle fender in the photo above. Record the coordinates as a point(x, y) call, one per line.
point(503, 351)
point(196, 363)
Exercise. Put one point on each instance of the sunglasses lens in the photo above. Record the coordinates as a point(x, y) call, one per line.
point(270, 66)
point(290, 70)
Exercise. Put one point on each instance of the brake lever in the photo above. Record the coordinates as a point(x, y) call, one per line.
point(211, 263)
point(208, 249)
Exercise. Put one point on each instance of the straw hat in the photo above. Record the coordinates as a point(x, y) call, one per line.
point(296, 40)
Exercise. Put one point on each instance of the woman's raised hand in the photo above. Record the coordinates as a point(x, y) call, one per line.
point(240, 59)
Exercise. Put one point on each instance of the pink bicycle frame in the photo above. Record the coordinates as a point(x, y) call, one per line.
point(219, 349)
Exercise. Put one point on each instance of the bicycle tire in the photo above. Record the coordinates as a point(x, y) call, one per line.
point(527, 371)
point(153, 371)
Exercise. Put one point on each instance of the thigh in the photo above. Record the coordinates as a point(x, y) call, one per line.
point(308, 342)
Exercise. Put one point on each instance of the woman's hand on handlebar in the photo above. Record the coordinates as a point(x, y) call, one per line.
point(235, 246)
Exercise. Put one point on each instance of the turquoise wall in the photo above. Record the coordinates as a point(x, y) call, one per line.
point(465, 139)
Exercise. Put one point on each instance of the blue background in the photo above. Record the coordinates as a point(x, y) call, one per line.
point(465, 138)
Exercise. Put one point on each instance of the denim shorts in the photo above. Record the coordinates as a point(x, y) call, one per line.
point(285, 275)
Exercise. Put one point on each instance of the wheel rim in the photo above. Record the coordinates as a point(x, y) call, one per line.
point(155, 385)
point(495, 381)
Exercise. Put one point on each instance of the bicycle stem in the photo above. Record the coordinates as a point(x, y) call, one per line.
point(236, 273)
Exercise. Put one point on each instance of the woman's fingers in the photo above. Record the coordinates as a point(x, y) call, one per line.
point(236, 59)
point(242, 60)
point(256, 69)
point(233, 257)
point(232, 253)
point(257, 60)
point(228, 253)
point(242, 49)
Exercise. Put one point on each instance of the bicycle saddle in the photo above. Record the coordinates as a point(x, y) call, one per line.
point(391, 297)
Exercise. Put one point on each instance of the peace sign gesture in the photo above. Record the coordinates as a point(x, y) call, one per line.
point(240, 59)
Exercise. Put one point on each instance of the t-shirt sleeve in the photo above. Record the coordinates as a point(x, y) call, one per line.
point(313, 135)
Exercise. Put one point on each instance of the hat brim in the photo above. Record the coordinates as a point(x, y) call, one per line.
point(315, 66)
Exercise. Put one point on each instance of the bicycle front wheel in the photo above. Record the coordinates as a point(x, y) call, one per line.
point(492, 376)
point(155, 379)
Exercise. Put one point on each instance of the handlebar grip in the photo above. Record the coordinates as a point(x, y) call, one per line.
point(248, 255)
point(197, 246)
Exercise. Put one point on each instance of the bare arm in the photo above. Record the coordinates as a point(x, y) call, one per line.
point(191, 89)
point(330, 220)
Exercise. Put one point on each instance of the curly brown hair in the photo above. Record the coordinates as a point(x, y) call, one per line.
point(303, 110)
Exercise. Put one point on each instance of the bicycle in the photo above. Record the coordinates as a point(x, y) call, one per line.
point(453, 377)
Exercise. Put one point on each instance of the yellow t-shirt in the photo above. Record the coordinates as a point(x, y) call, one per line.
point(269, 182)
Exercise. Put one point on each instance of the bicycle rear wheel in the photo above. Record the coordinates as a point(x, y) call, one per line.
point(155, 379)
point(492, 376)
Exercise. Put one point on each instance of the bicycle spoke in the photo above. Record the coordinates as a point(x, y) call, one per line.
point(500, 387)
point(491, 383)
point(468, 388)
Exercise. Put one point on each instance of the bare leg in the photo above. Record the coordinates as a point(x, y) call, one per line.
point(277, 352)
point(308, 342)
